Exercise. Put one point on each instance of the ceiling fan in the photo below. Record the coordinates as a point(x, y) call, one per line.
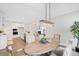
point(47, 20)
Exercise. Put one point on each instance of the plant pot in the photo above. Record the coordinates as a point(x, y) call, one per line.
point(44, 41)
point(76, 49)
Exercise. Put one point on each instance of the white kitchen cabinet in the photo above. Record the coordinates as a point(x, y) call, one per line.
point(3, 41)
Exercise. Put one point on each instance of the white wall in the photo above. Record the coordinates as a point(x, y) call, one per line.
point(62, 25)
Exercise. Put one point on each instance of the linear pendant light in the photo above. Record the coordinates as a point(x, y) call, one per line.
point(47, 20)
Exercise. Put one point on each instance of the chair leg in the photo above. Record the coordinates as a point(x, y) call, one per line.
point(11, 53)
point(25, 52)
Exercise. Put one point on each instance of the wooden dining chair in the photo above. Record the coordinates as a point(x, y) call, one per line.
point(57, 36)
point(16, 47)
point(59, 50)
point(36, 35)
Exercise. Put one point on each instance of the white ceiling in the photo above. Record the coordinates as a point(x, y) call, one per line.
point(35, 11)
point(59, 9)
point(23, 12)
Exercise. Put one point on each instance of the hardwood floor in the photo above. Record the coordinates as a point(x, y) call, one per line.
point(18, 43)
point(17, 46)
point(4, 52)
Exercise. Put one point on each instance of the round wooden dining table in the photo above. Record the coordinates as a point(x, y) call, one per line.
point(37, 48)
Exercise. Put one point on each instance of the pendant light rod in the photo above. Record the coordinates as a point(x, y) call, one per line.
point(45, 11)
point(49, 11)
point(47, 14)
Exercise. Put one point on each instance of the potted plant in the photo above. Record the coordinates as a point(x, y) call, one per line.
point(75, 31)
point(44, 39)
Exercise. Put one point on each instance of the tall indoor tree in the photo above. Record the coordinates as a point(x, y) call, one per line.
point(75, 32)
